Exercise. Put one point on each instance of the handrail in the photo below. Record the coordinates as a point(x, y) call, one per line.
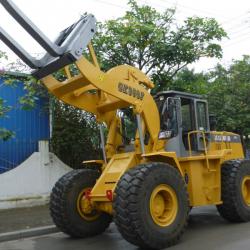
point(204, 142)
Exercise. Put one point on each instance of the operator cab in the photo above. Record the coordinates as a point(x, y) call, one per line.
point(180, 114)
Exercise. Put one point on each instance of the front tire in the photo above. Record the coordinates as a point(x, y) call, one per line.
point(66, 201)
point(151, 205)
point(235, 188)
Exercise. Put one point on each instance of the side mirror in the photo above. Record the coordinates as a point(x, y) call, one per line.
point(212, 122)
point(169, 119)
point(165, 135)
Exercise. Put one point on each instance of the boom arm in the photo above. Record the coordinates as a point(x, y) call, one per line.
point(93, 90)
point(123, 85)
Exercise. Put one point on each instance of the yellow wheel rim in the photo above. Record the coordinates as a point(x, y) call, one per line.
point(245, 187)
point(85, 208)
point(163, 205)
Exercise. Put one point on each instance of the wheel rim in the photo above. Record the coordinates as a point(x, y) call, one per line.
point(246, 189)
point(163, 205)
point(85, 208)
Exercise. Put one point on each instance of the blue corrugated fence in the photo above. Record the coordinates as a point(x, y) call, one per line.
point(29, 126)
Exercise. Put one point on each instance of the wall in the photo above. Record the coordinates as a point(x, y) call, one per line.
point(31, 182)
point(29, 126)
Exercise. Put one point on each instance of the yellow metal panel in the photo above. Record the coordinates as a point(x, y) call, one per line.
point(204, 186)
point(112, 173)
point(163, 156)
point(109, 83)
point(93, 55)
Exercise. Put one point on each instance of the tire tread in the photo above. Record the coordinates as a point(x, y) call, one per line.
point(58, 204)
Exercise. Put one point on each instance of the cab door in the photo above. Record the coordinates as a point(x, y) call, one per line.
point(202, 123)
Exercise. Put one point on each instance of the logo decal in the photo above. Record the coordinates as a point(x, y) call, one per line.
point(226, 138)
point(124, 88)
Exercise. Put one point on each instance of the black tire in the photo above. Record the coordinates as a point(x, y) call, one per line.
point(234, 209)
point(131, 206)
point(63, 205)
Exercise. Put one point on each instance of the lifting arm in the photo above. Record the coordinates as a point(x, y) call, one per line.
point(123, 85)
point(92, 90)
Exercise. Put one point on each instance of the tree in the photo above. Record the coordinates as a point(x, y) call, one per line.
point(229, 95)
point(75, 135)
point(188, 81)
point(143, 38)
point(5, 134)
point(227, 90)
point(155, 43)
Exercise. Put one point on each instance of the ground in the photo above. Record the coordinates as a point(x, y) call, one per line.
point(24, 218)
point(206, 231)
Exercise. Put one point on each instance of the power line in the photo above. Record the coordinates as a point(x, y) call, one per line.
point(237, 25)
point(111, 4)
point(185, 12)
point(243, 33)
point(196, 9)
point(236, 17)
point(237, 29)
point(244, 38)
point(239, 33)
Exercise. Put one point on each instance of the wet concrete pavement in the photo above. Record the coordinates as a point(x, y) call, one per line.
point(24, 218)
point(206, 231)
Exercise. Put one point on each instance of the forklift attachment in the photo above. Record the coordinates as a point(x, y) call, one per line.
point(66, 49)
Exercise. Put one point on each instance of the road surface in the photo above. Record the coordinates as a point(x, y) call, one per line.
point(206, 231)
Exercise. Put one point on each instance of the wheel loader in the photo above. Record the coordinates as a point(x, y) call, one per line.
point(160, 156)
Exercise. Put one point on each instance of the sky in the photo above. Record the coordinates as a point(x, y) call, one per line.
point(53, 16)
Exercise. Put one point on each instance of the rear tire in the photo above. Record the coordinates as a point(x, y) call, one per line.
point(235, 177)
point(64, 205)
point(138, 221)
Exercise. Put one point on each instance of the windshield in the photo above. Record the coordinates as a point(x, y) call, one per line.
point(168, 114)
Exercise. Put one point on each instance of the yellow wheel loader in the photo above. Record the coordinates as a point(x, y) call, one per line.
point(160, 157)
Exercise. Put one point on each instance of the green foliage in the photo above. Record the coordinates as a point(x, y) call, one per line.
point(143, 38)
point(5, 134)
point(75, 135)
point(229, 95)
point(188, 81)
point(227, 91)
point(154, 43)
point(34, 90)
point(3, 55)
point(3, 108)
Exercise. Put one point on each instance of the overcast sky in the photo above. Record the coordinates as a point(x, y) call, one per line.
point(51, 16)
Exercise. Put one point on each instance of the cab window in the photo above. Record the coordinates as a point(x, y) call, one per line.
point(187, 115)
point(202, 116)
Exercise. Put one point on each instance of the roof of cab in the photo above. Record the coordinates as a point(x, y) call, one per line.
point(174, 93)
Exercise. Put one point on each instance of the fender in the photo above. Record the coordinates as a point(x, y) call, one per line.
point(162, 156)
